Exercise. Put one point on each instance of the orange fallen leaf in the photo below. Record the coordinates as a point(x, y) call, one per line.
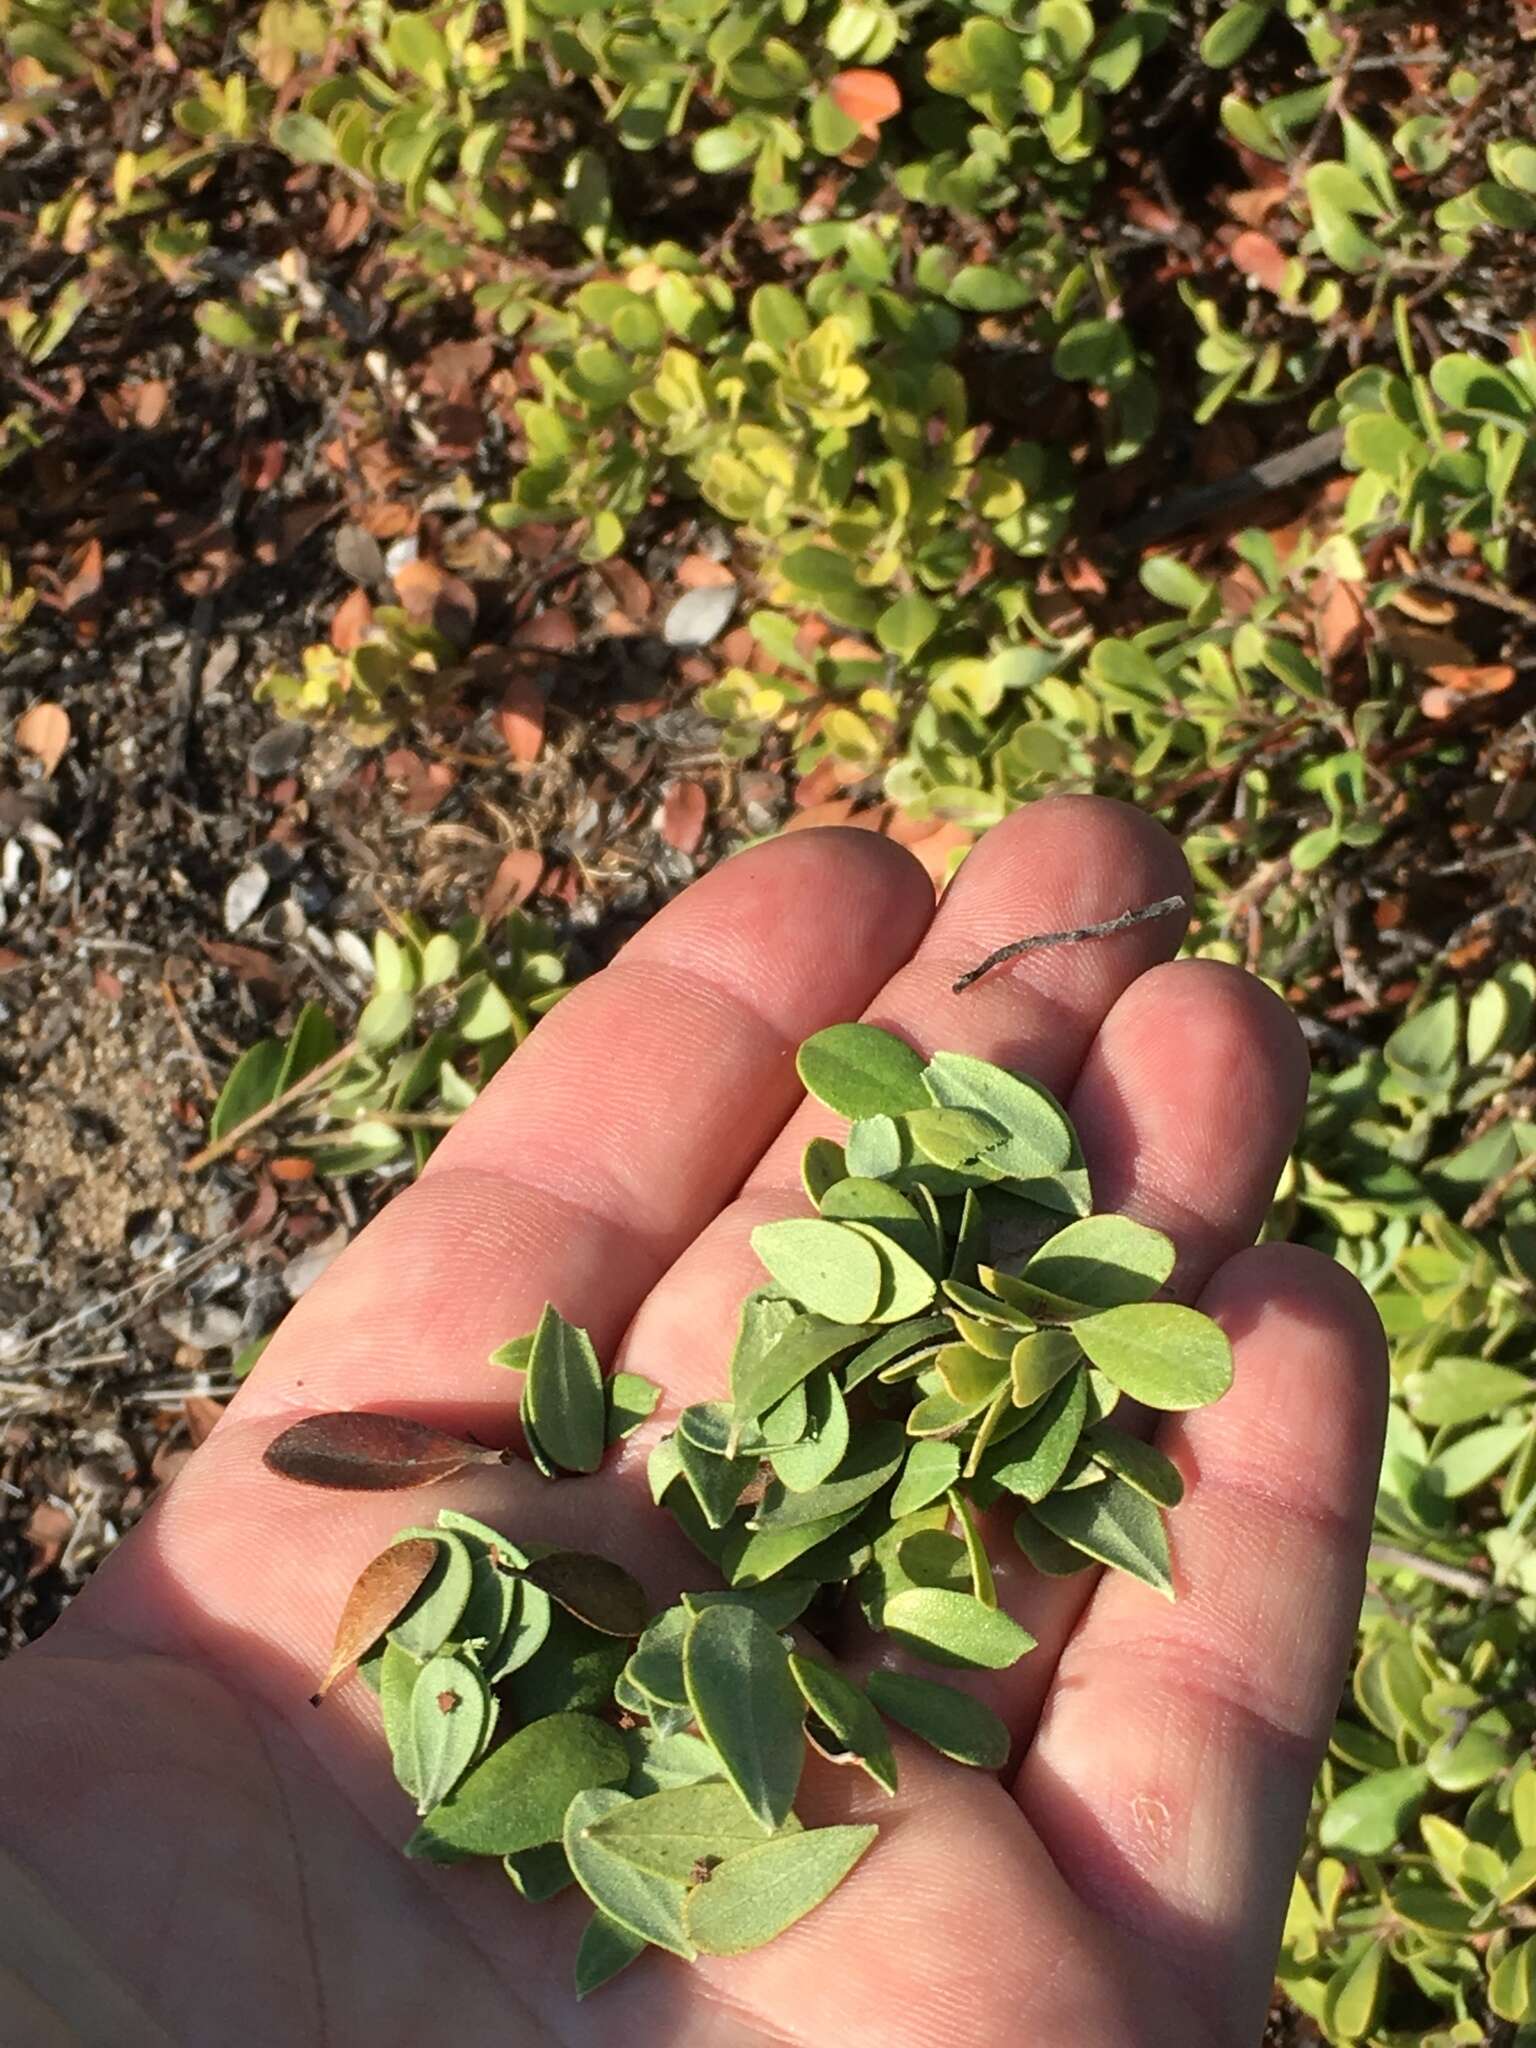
point(868, 97)
point(351, 622)
point(1258, 257)
point(43, 732)
point(703, 572)
point(1340, 620)
point(553, 629)
point(291, 1169)
point(520, 720)
point(1458, 688)
point(513, 882)
point(684, 811)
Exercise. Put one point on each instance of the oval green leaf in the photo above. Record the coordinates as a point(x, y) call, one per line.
point(1159, 1354)
point(860, 1071)
point(755, 1895)
point(517, 1798)
point(747, 1707)
point(955, 1628)
point(949, 1721)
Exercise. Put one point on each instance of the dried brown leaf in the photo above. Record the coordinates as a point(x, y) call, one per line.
point(513, 883)
point(379, 1595)
point(351, 622)
point(1260, 258)
point(684, 812)
point(358, 1453)
point(520, 720)
point(43, 732)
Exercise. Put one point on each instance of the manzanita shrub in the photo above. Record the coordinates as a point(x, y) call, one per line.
point(949, 1332)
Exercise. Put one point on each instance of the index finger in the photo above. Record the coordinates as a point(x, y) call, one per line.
point(604, 1145)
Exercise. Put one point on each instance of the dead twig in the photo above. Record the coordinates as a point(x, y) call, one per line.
point(1474, 1584)
point(1486, 1206)
point(1105, 930)
point(1205, 501)
point(274, 1108)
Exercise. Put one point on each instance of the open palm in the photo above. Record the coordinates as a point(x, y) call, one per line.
point(190, 1853)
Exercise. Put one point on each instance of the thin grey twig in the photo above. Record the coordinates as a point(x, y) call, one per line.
point(1205, 501)
point(1145, 915)
point(1473, 1584)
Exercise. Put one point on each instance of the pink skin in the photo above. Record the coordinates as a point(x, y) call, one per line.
point(190, 1853)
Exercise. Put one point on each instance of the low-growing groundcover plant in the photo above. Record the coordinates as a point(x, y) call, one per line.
point(887, 1387)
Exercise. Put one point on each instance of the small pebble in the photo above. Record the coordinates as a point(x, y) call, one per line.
point(243, 897)
point(699, 616)
point(277, 751)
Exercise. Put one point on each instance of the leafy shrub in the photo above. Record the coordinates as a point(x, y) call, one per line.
point(447, 1010)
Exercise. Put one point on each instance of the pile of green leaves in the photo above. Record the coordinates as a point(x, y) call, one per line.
point(952, 1330)
point(889, 1387)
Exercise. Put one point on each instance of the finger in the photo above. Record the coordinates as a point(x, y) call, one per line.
point(607, 1141)
point(1187, 1106)
point(1183, 1830)
point(1070, 861)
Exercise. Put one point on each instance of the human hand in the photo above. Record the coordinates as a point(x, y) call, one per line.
point(190, 1853)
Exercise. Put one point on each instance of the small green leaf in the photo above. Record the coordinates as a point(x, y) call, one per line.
point(253, 1083)
point(874, 1457)
point(1159, 1353)
point(1039, 1138)
point(957, 1140)
point(955, 1628)
point(860, 1071)
point(761, 1379)
point(565, 1396)
point(604, 1950)
point(1354, 1991)
point(1512, 1981)
point(755, 1895)
point(831, 1270)
point(1031, 1459)
point(901, 629)
point(856, 1199)
point(514, 1354)
point(906, 1285)
point(1374, 1813)
point(822, 1167)
point(539, 1874)
point(949, 1721)
point(838, 1703)
point(932, 1467)
point(1098, 352)
point(1103, 1261)
point(810, 1462)
point(1117, 1525)
point(632, 1399)
point(398, 1673)
point(874, 1147)
point(517, 1798)
point(747, 1707)
point(1232, 32)
point(386, 1019)
point(1039, 1361)
point(647, 1906)
point(1139, 1464)
point(1049, 1555)
point(667, 1833)
point(450, 1715)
